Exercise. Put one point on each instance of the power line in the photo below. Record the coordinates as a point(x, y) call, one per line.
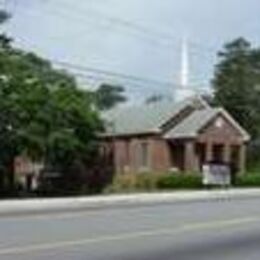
point(109, 73)
point(134, 26)
point(94, 75)
point(129, 86)
point(87, 69)
point(154, 37)
point(131, 78)
point(87, 20)
point(89, 72)
point(85, 74)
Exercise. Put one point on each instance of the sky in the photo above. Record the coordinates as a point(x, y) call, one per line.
point(134, 37)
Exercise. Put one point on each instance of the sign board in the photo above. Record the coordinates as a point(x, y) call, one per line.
point(216, 174)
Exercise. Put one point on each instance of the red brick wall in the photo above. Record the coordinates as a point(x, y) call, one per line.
point(127, 157)
point(227, 133)
point(120, 155)
point(160, 155)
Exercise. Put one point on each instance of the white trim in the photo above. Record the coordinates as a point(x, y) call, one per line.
point(226, 115)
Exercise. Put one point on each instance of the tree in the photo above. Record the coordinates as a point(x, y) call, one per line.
point(43, 114)
point(4, 16)
point(236, 83)
point(108, 96)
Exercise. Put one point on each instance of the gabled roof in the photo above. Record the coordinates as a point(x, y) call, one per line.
point(191, 125)
point(235, 124)
point(146, 118)
point(194, 123)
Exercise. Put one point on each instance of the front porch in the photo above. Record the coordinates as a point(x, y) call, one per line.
point(191, 155)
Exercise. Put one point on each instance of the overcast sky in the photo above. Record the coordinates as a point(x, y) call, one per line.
point(83, 33)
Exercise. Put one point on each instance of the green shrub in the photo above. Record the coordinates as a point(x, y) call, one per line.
point(133, 182)
point(146, 181)
point(179, 181)
point(248, 180)
point(140, 182)
point(253, 156)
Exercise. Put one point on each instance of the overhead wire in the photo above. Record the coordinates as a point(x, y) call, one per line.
point(90, 72)
point(82, 15)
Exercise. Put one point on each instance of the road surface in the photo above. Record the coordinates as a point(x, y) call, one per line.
point(225, 229)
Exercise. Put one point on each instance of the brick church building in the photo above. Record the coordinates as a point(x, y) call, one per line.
point(166, 136)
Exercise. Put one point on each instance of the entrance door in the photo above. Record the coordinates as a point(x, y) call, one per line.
point(218, 151)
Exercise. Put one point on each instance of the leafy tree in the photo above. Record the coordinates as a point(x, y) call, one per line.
point(108, 96)
point(43, 114)
point(4, 16)
point(237, 83)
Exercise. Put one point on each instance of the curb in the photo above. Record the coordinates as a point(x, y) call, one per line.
point(38, 206)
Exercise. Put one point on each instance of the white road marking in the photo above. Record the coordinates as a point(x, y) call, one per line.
point(134, 235)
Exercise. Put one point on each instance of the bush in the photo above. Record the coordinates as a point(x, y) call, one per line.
point(131, 182)
point(179, 181)
point(253, 155)
point(147, 181)
point(248, 180)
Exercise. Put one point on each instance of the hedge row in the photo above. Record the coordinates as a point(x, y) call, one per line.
point(170, 181)
point(179, 181)
point(152, 181)
point(248, 180)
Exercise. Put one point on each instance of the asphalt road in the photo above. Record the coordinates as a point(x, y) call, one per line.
point(228, 229)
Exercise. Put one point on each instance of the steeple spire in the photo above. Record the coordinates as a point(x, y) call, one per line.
point(184, 63)
point(184, 91)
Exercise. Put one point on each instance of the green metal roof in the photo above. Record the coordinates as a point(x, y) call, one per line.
point(144, 119)
point(191, 125)
point(149, 118)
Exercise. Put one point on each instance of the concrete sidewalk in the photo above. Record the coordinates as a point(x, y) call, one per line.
point(31, 206)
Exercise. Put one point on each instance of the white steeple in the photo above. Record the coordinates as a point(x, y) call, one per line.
point(184, 63)
point(184, 89)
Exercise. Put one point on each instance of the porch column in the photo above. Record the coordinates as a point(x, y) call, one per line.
point(242, 158)
point(227, 153)
point(189, 157)
point(209, 151)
